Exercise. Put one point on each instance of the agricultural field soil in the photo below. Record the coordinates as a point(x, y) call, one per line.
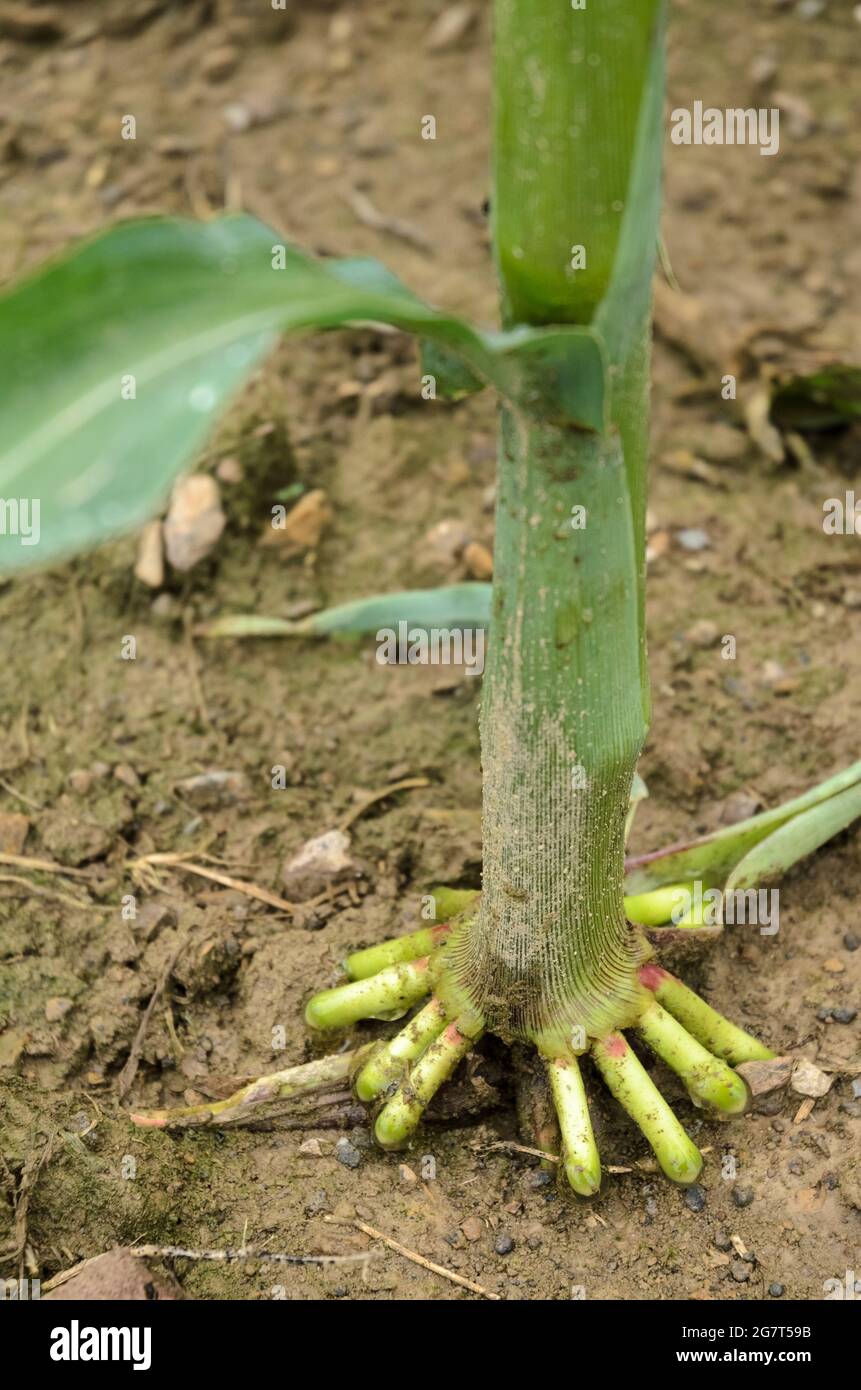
point(288, 118)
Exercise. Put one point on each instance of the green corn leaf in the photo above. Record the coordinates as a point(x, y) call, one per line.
point(828, 397)
point(770, 842)
point(454, 606)
point(796, 839)
point(625, 307)
point(116, 359)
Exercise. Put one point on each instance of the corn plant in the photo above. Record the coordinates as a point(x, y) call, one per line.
point(561, 947)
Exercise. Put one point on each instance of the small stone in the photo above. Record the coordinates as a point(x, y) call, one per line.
point(833, 966)
point(310, 1148)
point(56, 1008)
point(739, 1271)
point(216, 787)
point(340, 29)
point(851, 941)
point(809, 1080)
point(695, 1197)
point(347, 1154)
point(740, 805)
point(742, 1196)
point(230, 471)
point(659, 544)
point(723, 1241)
point(238, 117)
point(472, 1228)
point(797, 113)
point(763, 1077)
point(693, 538)
point(776, 1290)
point(151, 917)
point(149, 564)
point(763, 70)
point(194, 520)
point(406, 1175)
point(450, 27)
point(320, 862)
point(823, 1014)
point(772, 673)
point(302, 527)
point(478, 560)
point(81, 780)
point(125, 773)
point(14, 828)
point(446, 541)
point(164, 606)
point(703, 633)
point(503, 1245)
point(843, 1015)
point(220, 63)
point(539, 1178)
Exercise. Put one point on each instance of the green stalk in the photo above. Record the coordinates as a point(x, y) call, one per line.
point(565, 697)
point(568, 85)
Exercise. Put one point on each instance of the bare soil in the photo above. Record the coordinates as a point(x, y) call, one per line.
point(768, 248)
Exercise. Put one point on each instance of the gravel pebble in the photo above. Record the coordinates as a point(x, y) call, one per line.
point(540, 1178)
point(503, 1245)
point(739, 1271)
point(695, 1198)
point(844, 1015)
point(347, 1154)
point(776, 1290)
point(851, 941)
point(692, 538)
point(742, 1196)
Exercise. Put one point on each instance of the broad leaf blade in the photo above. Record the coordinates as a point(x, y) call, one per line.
point(713, 858)
point(176, 314)
point(796, 839)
